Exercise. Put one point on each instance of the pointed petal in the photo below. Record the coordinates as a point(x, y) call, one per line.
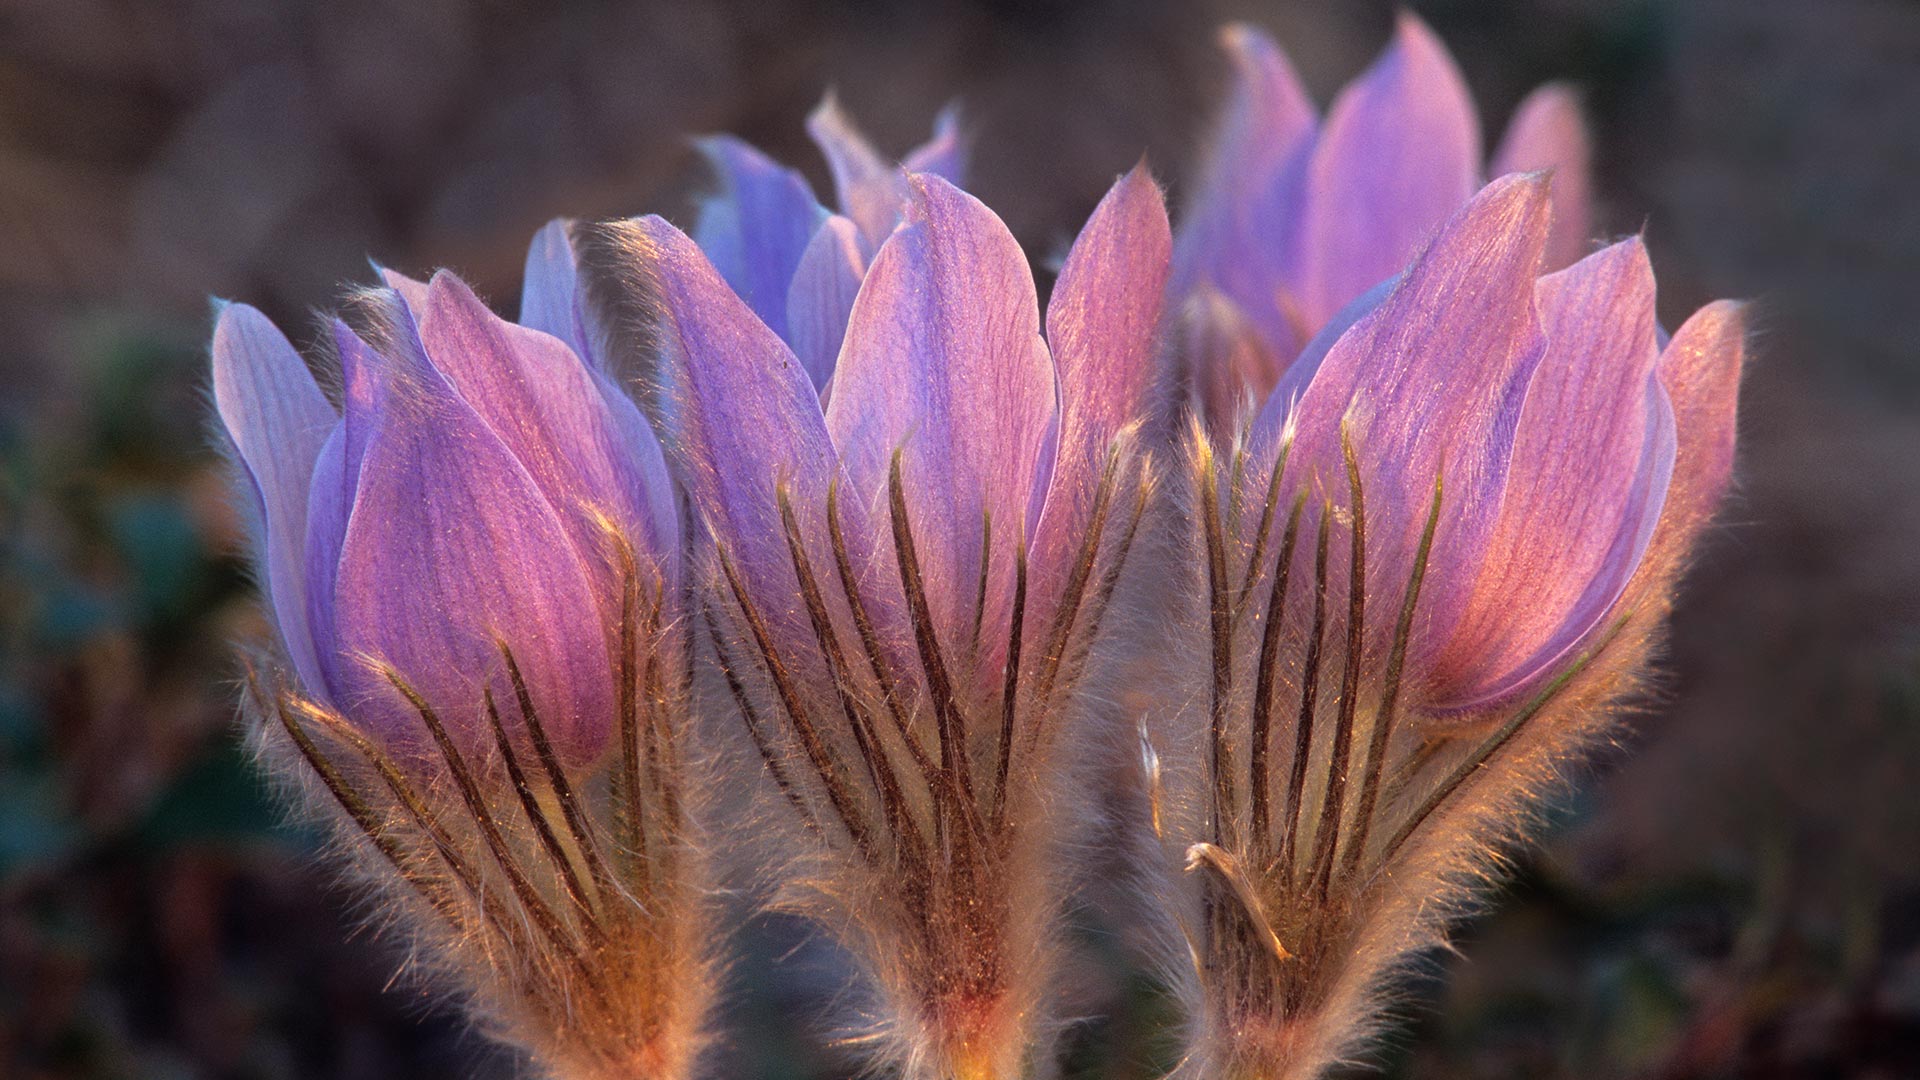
point(945, 154)
point(738, 417)
point(1400, 153)
point(1431, 382)
point(336, 478)
point(1101, 325)
point(756, 228)
point(550, 290)
point(1549, 132)
point(550, 412)
point(1700, 371)
point(1235, 231)
point(944, 362)
point(872, 190)
point(1591, 459)
point(822, 296)
point(278, 420)
point(451, 543)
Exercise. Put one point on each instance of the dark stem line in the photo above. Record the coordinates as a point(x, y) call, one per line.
point(878, 766)
point(870, 644)
point(1010, 688)
point(629, 814)
point(1309, 697)
point(549, 923)
point(1068, 602)
point(823, 761)
point(492, 909)
point(1484, 754)
point(946, 707)
point(756, 730)
point(1262, 534)
point(570, 882)
point(1101, 596)
point(980, 593)
point(362, 814)
point(1259, 743)
point(1390, 697)
point(1340, 758)
point(1219, 753)
point(570, 809)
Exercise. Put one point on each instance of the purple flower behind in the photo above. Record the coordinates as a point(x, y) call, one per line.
point(463, 496)
point(1295, 217)
point(796, 264)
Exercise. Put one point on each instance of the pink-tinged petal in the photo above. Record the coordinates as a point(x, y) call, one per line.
point(872, 190)
point(1101, 325)
point(278, 420)
point(451, 546)
point(945, 154)
point(1430, 382)
point(550, 412)
point(1700, 371)
point(1400, 152)
point(739, 417)
point(1548, 131)
point(550, 300)
point(1591, 460)
point(944, 362)
point(757, 227)
point(1235, 231)
point(822, 296)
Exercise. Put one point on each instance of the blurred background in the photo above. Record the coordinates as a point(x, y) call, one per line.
point(1734, 892)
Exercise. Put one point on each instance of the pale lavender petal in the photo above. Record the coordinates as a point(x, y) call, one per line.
point(872, 190)
point(1430, 382)
point(1591, 460)
point(822, 296)
point(944, 362)
point(1101, 326)
point(550, 412)
point(739, 416)
point(1548, 131)
point(755, 230)
point(945, 154)
point(278, 420)
point(550, 299)
point(1400, 152)
point(1235, 231)
point(451, 546)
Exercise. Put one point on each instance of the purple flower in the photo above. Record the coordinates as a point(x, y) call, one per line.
point(1295, 217)
point(1434, 563)
point(796, 264)
point(465, 495)
point(909, 576)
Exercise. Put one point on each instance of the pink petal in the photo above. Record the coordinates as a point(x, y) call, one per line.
point(1549, 132)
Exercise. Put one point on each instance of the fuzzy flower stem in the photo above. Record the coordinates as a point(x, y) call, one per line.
point(1489, 749)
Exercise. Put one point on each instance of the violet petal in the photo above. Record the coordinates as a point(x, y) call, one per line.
point(278, 420)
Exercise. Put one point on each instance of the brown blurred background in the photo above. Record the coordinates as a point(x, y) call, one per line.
point(1736, 892)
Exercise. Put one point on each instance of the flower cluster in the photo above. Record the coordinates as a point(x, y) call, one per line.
point(810, 545)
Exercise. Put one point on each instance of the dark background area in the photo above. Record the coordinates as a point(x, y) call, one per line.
point(1734, 892)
